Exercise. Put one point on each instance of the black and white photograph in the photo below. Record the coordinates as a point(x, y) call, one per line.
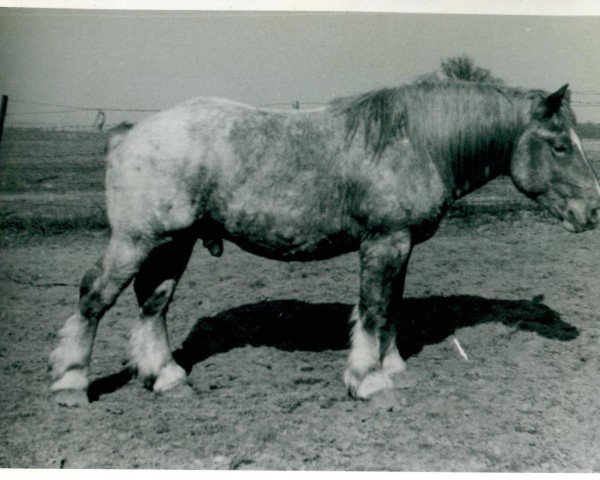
point(300, 237)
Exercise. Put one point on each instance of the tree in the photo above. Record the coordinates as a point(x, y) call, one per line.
point(461, 68)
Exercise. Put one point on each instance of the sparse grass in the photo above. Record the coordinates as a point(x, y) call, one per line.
point(482, 213)
point(51, 226)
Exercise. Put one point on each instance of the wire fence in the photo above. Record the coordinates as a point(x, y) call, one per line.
point(99, 122)
point(96, 118)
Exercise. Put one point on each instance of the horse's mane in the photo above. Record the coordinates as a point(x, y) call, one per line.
point(454, 122)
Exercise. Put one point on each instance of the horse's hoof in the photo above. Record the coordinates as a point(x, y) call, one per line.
point(181, 390)
point(71, 398)
point(170, 377)
point(364, 388)
point(372, 383)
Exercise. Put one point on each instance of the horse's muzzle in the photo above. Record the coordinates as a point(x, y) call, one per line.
point(578, 220)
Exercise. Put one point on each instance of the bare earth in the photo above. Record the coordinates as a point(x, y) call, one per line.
point(266, 344)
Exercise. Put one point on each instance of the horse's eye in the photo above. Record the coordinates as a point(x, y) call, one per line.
point(560, 149)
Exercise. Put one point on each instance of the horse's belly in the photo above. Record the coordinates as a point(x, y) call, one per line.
point(298, 239)
point(324, 248)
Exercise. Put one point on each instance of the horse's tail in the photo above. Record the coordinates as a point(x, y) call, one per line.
point(116, 134)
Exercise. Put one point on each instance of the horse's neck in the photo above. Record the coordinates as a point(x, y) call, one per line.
point(490, 159)
point(475, 176)
point(474, 143)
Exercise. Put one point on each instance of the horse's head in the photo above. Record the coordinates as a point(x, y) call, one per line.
point(550, 165)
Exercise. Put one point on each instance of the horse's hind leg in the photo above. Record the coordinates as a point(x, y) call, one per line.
point(374, 357)
point(99, 289)
point(154, 286)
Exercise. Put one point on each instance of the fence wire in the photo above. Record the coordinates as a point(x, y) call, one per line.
point(64, 109)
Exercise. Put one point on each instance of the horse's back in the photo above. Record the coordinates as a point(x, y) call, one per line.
point(232, 159)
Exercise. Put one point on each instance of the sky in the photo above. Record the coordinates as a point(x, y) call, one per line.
point(151, 60)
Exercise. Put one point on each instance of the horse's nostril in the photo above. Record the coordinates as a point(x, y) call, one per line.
point(595, 215)
point(572, 218)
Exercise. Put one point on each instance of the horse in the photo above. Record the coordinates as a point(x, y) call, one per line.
point(373, 173)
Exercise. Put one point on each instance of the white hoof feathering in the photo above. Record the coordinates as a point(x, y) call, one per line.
point(374, 382)
point(363, 388)
point(70, 390)
point(393, 363)
point(170, 376)
point(75, 379)
point(366, 374)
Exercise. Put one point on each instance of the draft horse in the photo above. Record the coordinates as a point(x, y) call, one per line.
point(372, 173)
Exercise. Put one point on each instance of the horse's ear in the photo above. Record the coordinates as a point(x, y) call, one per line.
point(551, 104)
point(554, 100)
point(567, 94)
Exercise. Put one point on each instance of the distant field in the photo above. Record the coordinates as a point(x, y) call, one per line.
point(589, 131)
point(54, 180)
point(38, 161)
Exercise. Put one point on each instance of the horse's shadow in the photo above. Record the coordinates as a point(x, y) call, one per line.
point(295, 325)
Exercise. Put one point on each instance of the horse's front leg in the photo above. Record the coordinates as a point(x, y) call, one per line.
point(374, 357)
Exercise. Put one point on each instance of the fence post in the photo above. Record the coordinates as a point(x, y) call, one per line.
point(100, 119)
point(3, 114)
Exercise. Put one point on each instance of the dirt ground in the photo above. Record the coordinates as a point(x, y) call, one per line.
point(266, 344)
